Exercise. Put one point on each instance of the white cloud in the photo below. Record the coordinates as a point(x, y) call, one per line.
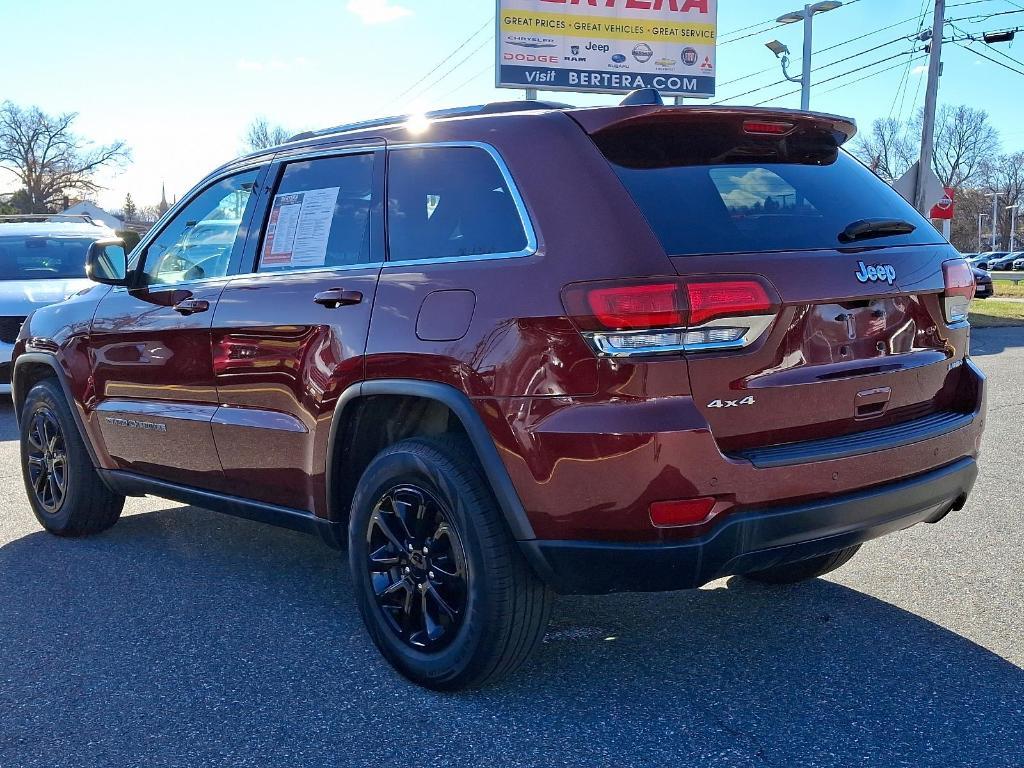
point(377, 11)
point(919, 70)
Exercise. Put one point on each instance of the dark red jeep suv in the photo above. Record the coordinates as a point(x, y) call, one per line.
point(520, 349)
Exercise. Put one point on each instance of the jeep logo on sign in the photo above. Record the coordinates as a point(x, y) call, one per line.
point(877, 273)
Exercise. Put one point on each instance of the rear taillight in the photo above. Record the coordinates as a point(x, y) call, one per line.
point(655, 305)
point(960, 286)
point(661, 316)
point(723, 299)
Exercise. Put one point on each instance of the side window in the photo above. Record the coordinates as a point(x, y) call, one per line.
point(198, 241)
point(448, 202)
point(320, 215)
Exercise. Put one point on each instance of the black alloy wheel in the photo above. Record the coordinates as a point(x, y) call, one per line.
point(418, 567)
point(47, 460)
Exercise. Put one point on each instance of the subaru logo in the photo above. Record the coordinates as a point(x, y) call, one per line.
point(876, 273)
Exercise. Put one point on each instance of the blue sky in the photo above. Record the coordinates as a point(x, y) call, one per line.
point(180, 81)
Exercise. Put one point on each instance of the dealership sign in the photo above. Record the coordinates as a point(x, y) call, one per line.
point(608, 46)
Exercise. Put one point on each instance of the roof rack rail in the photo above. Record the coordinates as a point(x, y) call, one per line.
point(14, 217)
point(494, 108)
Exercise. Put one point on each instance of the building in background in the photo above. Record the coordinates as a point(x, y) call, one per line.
point(97, 214)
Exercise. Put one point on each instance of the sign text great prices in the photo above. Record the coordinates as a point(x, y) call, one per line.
point(608, 46)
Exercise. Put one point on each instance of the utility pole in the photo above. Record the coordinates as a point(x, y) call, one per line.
point(931, 99)
point(531, 94)
point(995, 217)
point(980, 217)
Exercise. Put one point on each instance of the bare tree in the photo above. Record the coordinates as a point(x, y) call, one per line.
point(965, 142)
point(262, 135)
point(49, 160)
point(1005, 175)
point(888, 149)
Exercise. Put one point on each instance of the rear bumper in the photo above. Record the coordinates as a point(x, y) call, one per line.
point(753, 540)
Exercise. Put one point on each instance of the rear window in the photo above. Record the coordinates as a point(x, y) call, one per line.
point(450, 202)
point(753, 197)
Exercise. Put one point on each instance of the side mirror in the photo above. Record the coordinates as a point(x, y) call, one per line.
point(107, 262)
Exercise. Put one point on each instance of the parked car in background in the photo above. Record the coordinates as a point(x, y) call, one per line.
point(1018, 262)
point(994, 261)
point(521, 350)
point(983, 282)
point(42, 261)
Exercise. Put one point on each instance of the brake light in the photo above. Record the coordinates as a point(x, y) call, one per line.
point(658, 305)
point(736, 297)
point(960, 286)
point(650, 317)
point(766, 128)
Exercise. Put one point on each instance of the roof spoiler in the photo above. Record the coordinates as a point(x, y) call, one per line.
point(636, 113)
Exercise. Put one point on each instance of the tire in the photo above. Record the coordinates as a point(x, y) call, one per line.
point(67, 495)
point(803, 570)
point(497, 607)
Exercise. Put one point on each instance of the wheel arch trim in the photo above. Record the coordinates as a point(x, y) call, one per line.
point(479, 436)
point(18, 398)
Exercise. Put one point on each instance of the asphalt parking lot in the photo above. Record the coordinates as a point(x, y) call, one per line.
point(185, 638)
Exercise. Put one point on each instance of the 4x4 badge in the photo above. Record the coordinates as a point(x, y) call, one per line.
point(877, 273)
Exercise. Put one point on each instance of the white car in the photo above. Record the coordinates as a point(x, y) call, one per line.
point(42, 261)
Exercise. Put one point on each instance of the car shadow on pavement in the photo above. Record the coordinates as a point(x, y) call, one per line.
point(8, 426)
point(992, 341)
point(182, 637)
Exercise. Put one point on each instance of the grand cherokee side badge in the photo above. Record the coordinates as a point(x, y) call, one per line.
point(877, 273)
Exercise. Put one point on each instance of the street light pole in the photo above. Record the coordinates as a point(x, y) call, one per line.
point(805, 79)
point(806, 15)
point(995, 216)
point(1013, 226)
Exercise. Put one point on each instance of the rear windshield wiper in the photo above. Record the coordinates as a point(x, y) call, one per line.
point(862, 229)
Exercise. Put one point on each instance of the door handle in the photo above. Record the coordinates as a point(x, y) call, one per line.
point(337, 297)
point(191, 306)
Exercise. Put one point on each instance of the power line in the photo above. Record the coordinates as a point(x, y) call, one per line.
point(773, 24)
point(984, 17)
point(443, 61)
point(874, 74)
point(836, 77)
point(976, 52)
point(465, 82)
point(816, 69)
point(462, 61)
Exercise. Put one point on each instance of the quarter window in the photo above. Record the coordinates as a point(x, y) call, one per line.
point(198, 242)
point(320, 215)
point(446, 202)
